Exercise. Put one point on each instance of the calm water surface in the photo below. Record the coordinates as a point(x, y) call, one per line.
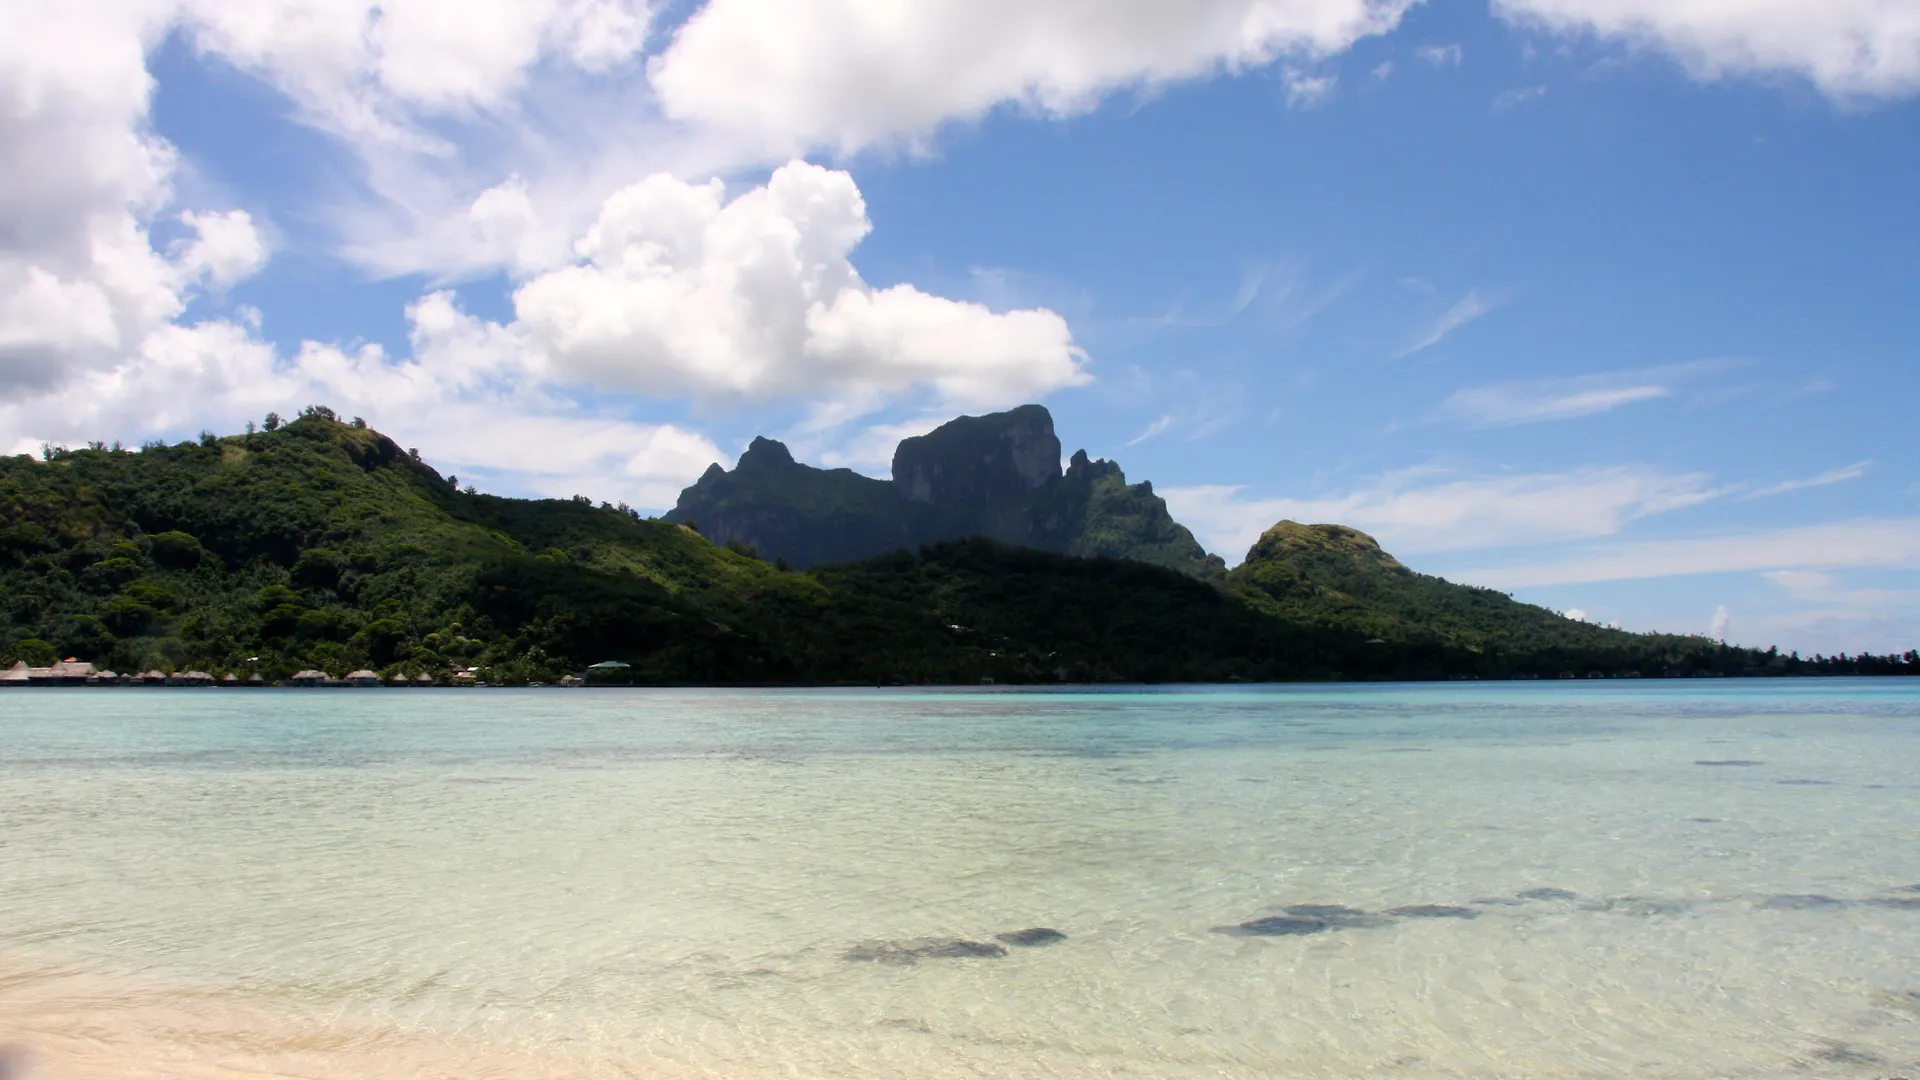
point(672, 884)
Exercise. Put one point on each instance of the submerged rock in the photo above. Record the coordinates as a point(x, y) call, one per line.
point(1547, 894)
point(1801, 902)
point(1805, 783)
point(1735, 763)
point(913, 950)
point(1433, 911)
point(1840, 1053)
point(1032, 936)
point(1276, 926)
point(1904, 903)
point(1337, 915)
point(1497, 901)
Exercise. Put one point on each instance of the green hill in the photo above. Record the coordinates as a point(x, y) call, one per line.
point(324, 545)
point(1335, 577)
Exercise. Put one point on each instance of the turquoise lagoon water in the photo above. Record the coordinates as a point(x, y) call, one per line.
point(694, 883)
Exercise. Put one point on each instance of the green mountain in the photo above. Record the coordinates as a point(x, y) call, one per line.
point(324, 545)
point(996, 476)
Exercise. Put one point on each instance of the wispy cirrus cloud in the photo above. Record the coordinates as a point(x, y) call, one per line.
point(1518, 96)
point(1832, 476)
point(1441, 55)
point(1532, 401)
point(1801, 583)
point(1418, 511)
point(1279, 295)
point(1157, 428)
point(1471, 307)
point(1507, 404)
point(1862, 543)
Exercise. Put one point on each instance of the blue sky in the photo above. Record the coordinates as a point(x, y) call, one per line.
point(1610, 303)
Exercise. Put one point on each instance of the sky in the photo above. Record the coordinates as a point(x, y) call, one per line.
point(1610, 304)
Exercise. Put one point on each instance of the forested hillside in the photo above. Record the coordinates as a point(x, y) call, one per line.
point(322, 544)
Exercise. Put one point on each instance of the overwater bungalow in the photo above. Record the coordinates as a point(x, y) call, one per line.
point(363, 677)
point(310, 678)
point(68, 672)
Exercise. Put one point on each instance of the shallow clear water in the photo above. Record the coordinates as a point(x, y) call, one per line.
point(679, 883)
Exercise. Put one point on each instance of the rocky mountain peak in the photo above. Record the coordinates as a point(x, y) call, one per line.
point(765, 453)
point(975, 460)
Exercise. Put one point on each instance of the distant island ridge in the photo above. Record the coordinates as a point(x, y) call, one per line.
point(320, 551)
point(996, 476)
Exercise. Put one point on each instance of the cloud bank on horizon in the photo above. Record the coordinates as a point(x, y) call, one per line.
point(583, 245)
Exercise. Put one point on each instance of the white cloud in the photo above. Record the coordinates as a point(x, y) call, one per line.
point(682, 291)
point(1866, 543)
point(374, 69)
point(788, 75)
point(1578, 615)
point(1441, 55)
point(90, 346)
point(81, 183)
point(489, 132)
point(1847, 48)
point(1418, 511)
point(1833, 476)
point(1305, 89)
point(445, 102)
point(1717, 627)
point(226, 248)
point(1533, 402)
point(1471, 306)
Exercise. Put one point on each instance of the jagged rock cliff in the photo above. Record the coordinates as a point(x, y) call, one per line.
point(996, 476)
point(805, 515)
point(979, 460)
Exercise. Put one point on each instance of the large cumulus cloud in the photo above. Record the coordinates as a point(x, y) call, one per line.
point(682, 291)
